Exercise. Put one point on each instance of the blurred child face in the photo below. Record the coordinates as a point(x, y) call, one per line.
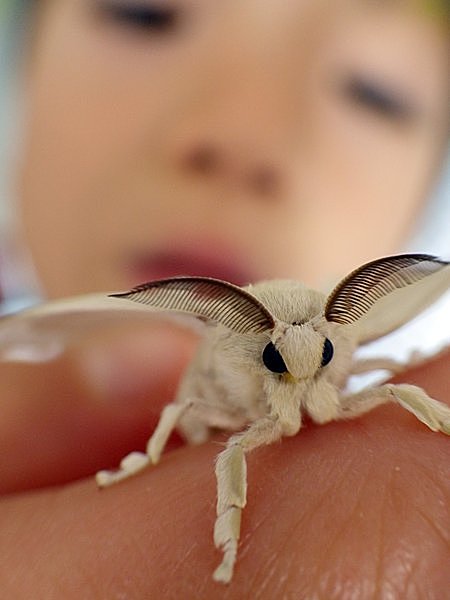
point(244, 139)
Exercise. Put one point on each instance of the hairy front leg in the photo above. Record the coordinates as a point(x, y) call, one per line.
point(137, 461)
point(435, 414)
point(231, 472)
point(365, 365)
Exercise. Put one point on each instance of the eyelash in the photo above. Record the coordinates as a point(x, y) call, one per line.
point(139, 16)
point(378, 99)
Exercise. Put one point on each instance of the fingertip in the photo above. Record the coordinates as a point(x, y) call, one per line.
point(82, 412)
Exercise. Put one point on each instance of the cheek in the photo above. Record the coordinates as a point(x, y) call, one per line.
point(63, 203)
point(74, 154)
point(59, 203)
point(94, 132)
point(356, 197)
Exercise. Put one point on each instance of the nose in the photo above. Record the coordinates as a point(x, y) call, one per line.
point(213, 159)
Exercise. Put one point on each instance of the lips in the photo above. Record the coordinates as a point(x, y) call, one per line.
point(209, 263)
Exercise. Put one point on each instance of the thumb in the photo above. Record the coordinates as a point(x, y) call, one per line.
point(67, 418)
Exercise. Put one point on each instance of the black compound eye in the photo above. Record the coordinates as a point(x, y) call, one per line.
point(327, 353)
point(273, 359)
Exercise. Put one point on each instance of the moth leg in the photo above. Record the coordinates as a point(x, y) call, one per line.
point(365, 365)
point(129, 465)
point(415, 358)
point(435, 414)
point(137, 461)
point(231, 473)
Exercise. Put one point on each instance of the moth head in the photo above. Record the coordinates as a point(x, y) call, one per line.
point(297, 348)
point(297, 351)
point(384, 294)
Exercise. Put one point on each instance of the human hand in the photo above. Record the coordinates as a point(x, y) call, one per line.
point(351, 509)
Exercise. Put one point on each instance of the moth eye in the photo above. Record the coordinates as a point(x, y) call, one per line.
point(327, 353)
point(273, 360)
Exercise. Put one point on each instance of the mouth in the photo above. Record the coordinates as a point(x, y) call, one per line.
point(211, 262)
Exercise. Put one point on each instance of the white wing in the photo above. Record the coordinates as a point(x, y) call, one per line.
point(42, 333)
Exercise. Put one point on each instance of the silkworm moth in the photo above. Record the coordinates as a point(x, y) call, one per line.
point(272, 352)
point(275, 350)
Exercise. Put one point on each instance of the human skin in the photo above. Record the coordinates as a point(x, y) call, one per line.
point(263, 147)
point(356, 509)
point(111, 169)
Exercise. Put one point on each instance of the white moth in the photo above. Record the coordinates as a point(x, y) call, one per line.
point(272, 352)
point(278, 349)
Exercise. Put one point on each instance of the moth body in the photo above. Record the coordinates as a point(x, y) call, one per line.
point(227, 380)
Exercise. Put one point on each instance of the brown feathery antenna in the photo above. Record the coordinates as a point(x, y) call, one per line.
point(206, 298)
point(355, 295)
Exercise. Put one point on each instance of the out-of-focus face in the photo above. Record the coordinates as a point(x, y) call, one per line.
point(245, 139)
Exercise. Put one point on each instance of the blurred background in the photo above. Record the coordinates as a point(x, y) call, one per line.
point(142, 139)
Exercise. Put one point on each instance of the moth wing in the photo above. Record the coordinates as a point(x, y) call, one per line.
point(42, 333)
point(384, 294)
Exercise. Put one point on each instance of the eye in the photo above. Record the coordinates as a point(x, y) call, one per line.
point(379, 98)
point(273, 360)
point(327, 352)
point(145, 16)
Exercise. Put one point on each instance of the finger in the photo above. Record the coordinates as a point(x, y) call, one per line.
point(81, 412)
point(354, 509)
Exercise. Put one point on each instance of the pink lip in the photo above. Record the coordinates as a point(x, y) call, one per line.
point(158, 265)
